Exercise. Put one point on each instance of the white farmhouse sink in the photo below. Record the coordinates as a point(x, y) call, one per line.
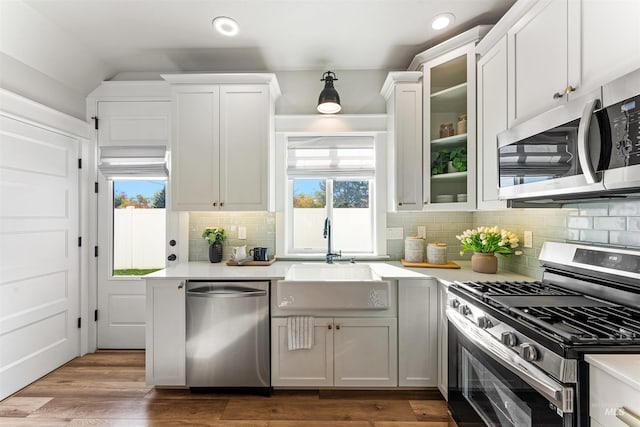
point(332, 287)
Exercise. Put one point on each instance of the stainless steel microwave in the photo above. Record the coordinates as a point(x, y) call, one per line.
point(587, 148)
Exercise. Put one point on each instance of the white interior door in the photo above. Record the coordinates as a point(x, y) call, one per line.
point(131, 228)
point(39, 253)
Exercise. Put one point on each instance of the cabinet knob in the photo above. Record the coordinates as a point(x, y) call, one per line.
point(181, 285)
point(400, 204)
point(570, 89)
point(329, 327)
point(558, 95)
point(172, 257)
point(215, 203)
point(221, 203)
point(338, 327)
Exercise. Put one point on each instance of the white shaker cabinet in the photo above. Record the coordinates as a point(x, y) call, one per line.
point(492, 119)
point(540, 70)
point(165, 332)
point(222, 142)
point(417, 340)
point(443, 340)
point(563, 49)
point(403, 93)
point(347, 352)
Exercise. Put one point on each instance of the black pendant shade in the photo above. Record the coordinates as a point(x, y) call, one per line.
point(329, 100)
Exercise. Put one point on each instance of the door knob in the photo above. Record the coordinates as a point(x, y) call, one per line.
point(172, 242)
point(172, 257)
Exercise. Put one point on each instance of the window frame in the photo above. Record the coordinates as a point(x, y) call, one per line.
point(284, 197)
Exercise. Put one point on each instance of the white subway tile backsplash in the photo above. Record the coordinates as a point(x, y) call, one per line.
point(579, 222)
point(610, 223)
point(594, 236)
point(625, 208)
point(624, 238)
point(633, 223)
point(594, 209)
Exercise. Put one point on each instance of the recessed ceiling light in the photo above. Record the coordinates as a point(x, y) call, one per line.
point(442, 21)
point(225, 25)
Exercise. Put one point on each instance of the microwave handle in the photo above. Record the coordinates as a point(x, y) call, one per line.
point(584, 157)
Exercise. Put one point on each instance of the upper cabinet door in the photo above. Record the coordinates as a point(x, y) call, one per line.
point(195, 153)
point(538, 60)
point(492, 119)
point(610, 39)
point(134, 123)
point(244, 147)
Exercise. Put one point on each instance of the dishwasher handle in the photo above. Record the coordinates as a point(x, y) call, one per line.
point(226, 292)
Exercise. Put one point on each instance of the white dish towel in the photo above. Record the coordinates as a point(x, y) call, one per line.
point(300, 331)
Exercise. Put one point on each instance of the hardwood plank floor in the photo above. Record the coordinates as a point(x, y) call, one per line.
point(107, 389)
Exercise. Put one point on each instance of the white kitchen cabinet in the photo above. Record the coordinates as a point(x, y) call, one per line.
point(563, 49)
point(614, 389)
point(305, 367)
point(443, 341)
point(403, 93)
point(417, 339)
point(539, 65)
point(365, 352)
point(347, 352)
point(449, 125)
point(222, 143)
point(492, 119)
point(165, 332)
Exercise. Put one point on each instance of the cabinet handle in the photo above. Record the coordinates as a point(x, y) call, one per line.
point(181, 285)
point(570, 89)
point(329, 327)
point(338, 327)
point(627, 417)
point(558, 95)
point(215, 203)
point(221, 203)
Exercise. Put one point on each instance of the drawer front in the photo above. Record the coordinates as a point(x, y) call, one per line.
point(607, 395)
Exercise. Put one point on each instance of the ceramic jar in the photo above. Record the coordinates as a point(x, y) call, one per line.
point(437, 253)
point(461, 126)
point(446, 129)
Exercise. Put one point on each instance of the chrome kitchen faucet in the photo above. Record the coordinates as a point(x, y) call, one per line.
point(327, 235)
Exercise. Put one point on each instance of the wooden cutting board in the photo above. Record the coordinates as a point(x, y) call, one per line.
point(449, 264)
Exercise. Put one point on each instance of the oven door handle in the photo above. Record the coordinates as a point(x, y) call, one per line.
point(559, 395)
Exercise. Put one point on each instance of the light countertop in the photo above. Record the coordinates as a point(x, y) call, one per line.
point(624, 367)
point(277, 270)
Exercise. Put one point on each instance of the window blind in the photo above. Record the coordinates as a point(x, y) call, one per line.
point(328, 156)
point(133, 162)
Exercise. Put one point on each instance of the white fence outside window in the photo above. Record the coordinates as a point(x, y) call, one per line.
point(138, 238)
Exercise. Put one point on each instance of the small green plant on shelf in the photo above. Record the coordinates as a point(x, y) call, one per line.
point(458, 158)
point(439, 164)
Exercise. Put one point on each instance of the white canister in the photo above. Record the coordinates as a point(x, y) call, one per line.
point(437, 253)
point(414, 249)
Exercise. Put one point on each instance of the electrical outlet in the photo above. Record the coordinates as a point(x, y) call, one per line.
point(242, 233)
point(422, 231)
point(395, 233)
point(528, 239)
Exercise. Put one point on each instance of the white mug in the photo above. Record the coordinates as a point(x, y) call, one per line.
point(238, 252)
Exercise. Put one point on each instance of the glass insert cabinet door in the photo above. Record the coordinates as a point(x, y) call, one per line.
point(449, 131)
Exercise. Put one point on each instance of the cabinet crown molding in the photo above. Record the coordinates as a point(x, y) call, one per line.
point(513, 15)
point(399, 77)
point(472, 35)
point(226, 78)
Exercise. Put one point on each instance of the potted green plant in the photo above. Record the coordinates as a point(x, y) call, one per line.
point(485, 242)
point(215, 236)
point(458, 159)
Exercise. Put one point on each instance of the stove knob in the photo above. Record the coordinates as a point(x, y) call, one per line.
point(464, 310)
point(528, 352)
point(509, 339)
point(454, 303)
point(484, 322)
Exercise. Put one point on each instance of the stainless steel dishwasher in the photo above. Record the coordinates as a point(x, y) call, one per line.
point(228, 334)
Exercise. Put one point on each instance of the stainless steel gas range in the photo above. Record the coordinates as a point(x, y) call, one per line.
point(516, 349)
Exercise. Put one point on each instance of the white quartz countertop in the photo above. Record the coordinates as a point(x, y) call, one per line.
point(464, 273)
point(624, 367)
point(277, 270)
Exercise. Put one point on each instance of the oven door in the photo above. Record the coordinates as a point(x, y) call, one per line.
point(486, 389)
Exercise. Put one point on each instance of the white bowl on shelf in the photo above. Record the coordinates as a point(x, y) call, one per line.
point(462, 197)
point(444, 198)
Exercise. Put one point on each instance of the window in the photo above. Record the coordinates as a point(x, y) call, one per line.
point(331, 177)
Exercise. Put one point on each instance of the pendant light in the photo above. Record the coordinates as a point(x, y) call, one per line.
point(329, 100)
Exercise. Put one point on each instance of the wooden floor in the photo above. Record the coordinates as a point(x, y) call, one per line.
point(108, 389)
